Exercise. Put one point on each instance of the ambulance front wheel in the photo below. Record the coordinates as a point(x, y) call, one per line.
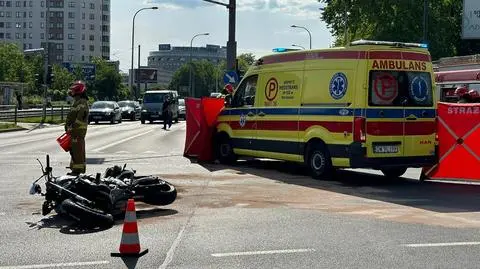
point(224, 150)
point(319, 161)
point(395, 172)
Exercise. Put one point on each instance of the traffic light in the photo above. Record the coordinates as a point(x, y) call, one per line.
point(50, 75)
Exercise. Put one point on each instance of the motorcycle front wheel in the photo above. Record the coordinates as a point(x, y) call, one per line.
point(86, 216)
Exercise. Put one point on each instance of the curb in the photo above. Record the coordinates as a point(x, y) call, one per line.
point(13, 130)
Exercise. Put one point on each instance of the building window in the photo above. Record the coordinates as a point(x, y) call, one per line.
point(8, 14)
point(105, 38)
point(17, 35)
point(24, 14)
point(42, 14)
point(83, 57)
point(83, 16)
point(2, 14)
point(105, 7)
point(92, 6)
point(30, 46)
point(19, 4)
point(30, 35)
point(42, 35)
point(2, 3)
point(52, 14)
point(60, 14)
point(52, 25)
point(92, 16)
point(70, 57)
point(105, 17)
point(8, 36)
point(19, 14)
point(2, 24)
point(71, 26)
point(59, 57)
point(42, 4)
point(50, 36)
point(30, 14)
point(18, 25)
point(105, 28)
point(2, 35)
point(92, 48)
point(24, 3)
point(92, 27)
point(59, 46)
point(9, 3)
point(24, 46)
point(71, 15)
point(83, 36)
point(71, 4)
point(42, 25)
point(71, 36)
point(71, 47)
point(59, 25)
point(83, 26)
point(24, 35)
point(30, 3)
point(92, 37)
point(30, 25)
point(8, 24)
point(83, 47)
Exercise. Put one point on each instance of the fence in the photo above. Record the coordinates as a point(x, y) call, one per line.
point(11, 113)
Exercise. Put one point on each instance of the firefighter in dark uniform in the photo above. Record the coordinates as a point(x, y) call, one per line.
point(76, 124)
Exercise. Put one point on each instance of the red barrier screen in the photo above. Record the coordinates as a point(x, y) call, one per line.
point(201, 117)
point(458, 128)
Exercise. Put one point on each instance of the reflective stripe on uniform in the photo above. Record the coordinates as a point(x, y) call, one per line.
point(81, 124)
point(78, 166)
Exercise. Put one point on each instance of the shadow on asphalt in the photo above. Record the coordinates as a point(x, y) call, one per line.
point(69, 226)
point(439, 197)
point(65, 225)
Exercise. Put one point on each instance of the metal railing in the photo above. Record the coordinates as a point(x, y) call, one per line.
point(12, 113)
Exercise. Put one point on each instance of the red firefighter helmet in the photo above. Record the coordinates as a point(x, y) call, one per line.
point(77, 88)
point(229, 88)
point(474, 94)
point(461, 91)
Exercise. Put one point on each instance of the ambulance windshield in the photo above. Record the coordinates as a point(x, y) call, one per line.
point(400, 88)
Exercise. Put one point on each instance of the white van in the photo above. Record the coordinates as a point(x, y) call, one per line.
point(153, 103)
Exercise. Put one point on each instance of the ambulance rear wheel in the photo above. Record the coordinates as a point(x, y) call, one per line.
point(319, 161)
point(395, 172)
point(224, 150)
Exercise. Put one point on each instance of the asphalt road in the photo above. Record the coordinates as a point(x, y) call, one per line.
point(256, 214)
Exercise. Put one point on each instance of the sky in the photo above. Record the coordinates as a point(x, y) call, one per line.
point(261, 26)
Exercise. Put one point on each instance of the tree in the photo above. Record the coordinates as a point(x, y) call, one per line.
point(107, 84)
point(205, 79)
point(61, 82)
point(401, 21)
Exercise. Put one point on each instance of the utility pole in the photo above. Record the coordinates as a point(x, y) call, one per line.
point(425, 20)
point(231, 43)
point(137, 74)
point(47, 61)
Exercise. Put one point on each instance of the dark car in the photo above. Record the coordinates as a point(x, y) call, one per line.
point(105, 111)
point(130, 109)
point(181, 109)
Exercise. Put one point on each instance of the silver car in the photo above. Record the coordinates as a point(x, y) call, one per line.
point(105, 111)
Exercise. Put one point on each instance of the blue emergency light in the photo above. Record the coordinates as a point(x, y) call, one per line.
point(279, 50)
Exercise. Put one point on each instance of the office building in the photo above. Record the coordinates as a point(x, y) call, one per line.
point(76, 30)
point(169, 59)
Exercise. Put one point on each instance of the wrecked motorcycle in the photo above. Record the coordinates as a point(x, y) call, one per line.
point(93, 201)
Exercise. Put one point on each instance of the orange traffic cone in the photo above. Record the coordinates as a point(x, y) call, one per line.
point(130, 244)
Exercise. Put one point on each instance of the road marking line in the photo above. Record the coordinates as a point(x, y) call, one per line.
point(264, 252)
point(69, 264)
point(120, 141)
point(442, 244)
point(174, 246)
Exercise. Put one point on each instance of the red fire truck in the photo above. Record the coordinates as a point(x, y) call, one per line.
point(461, 86)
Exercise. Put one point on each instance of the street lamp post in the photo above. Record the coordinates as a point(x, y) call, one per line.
point(309, 34)
point(302, 47)
point(133, 49)
point(190, 80)
point(231, 43)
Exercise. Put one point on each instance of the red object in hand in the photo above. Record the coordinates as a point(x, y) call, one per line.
point(65, 141)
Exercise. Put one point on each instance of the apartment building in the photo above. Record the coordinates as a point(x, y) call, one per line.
point(76, 30)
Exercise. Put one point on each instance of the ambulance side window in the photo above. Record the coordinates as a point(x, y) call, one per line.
point(245, 93)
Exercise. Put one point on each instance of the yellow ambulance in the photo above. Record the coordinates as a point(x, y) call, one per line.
point(368, 105)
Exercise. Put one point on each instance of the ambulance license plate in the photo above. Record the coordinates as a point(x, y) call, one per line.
point(386, 148)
